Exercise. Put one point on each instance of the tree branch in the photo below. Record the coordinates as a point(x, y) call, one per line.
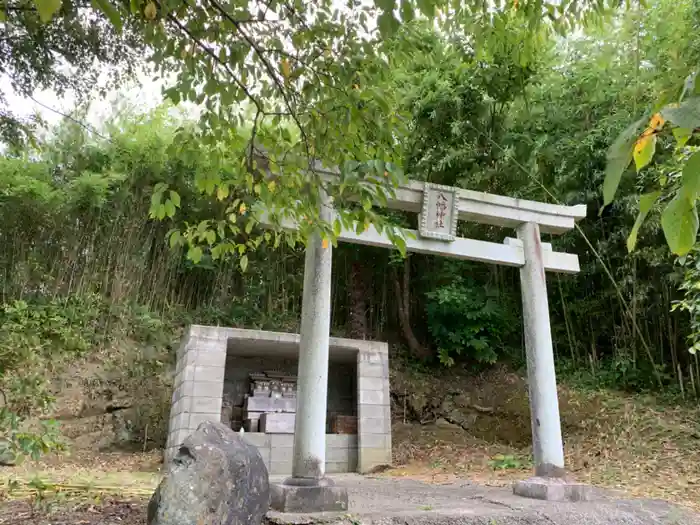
point(208, 51)
point(268, 67)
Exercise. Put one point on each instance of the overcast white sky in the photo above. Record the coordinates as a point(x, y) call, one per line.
point(146, 96)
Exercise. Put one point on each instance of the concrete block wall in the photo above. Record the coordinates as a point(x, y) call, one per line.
point(373, 407)
point(277, 452)
point(198, 385)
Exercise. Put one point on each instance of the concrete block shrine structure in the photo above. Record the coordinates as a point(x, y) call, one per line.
point(212, 377)
point(246, 378)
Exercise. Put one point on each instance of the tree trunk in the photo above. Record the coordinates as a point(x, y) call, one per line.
point(357, 302)
point(403, 300)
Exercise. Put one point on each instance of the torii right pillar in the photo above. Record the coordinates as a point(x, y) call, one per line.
point(550, 481)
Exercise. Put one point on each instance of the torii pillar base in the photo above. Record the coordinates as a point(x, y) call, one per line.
point(553, 489)
point(301, 496)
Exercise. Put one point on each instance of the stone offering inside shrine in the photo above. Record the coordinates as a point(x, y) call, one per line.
point(271, 393)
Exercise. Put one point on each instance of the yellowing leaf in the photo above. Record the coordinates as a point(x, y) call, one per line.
point(644, 150)
point(242, 208)
point(150, 11)
point(47, 8)
point(657, 121)
point(285, 68)
point(325, 244)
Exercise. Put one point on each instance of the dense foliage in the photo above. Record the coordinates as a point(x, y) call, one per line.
point(84, 265)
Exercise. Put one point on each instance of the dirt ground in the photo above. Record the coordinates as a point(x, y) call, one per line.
point(103, 513)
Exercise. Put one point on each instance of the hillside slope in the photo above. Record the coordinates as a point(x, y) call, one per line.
point(478, 427)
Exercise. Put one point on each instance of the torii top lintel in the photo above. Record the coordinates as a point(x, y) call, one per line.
point(474, 206)
point(487, 208)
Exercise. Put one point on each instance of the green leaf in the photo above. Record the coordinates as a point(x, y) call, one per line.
point(680, 224)
point(47, 8)
point(619, 157)
point(400, 243)
point(684, 115)
point(175, 197)
point(110, 12)
point(175, 238)
point(406, 11)
point(222, 192)
point(174, 95)
point(249, 226)
point(682, 135)
point(337, 228)
point(194, 254)
point(690, 182)
point(646, 202)
point(3, 15)
point(244, 263)
point(388, 24)
point(644, 150)
point(427, 7)
point(169, 208)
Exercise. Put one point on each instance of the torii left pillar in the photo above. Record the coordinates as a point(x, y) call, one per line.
point(308, 490)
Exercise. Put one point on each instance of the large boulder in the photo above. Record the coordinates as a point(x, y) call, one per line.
point(216, 478)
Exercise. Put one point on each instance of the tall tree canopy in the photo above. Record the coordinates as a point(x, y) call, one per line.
point(297, 80)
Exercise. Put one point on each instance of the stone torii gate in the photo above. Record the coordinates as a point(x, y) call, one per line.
point(440, 207)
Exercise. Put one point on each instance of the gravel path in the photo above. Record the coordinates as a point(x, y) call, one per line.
point(384, 501)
